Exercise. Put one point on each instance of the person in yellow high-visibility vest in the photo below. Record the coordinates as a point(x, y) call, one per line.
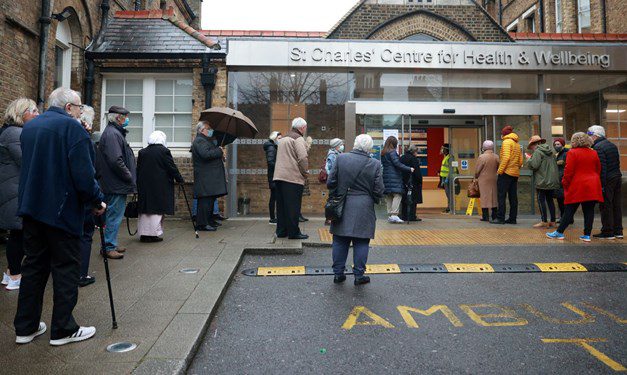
point(445, 174)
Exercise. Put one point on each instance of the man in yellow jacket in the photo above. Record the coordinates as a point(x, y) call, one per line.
point(511, 160)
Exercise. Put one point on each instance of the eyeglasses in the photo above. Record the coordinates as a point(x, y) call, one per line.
point(32, 111)
point(81, 106)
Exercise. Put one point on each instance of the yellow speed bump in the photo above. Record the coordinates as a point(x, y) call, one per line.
point(382, 268)
point(561, 267)
point(281, 271)
point(468, 267)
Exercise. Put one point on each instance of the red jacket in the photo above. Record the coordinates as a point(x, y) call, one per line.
point(582, 176)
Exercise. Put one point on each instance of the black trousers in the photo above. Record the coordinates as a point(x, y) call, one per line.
point(408, 211)
point(289, 198)
point(561, 205)
point(15, 251)
point(272, 204)
point(611, 212)
point(48, 250)
point(86, 241)
point(545, 198)
point(204, 212)
point(569, 214)
point(485, 213)
point(507, 187)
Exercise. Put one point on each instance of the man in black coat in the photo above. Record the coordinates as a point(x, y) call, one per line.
point(611, 212)
point(270, 148)
point(209, 175)
point(411, 180)
point(116, 168)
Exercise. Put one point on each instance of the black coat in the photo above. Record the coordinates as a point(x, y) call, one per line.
point(209, 174)
point(610, 159)
point(10, 164)
point(414, 178)
point(560, 158)
point(393, 173)
point(270, 148)
point(156, 173)
point(115, 163)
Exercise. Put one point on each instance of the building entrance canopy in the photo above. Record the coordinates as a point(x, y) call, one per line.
point(428, 55)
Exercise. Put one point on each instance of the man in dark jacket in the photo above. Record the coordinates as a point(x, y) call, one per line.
point(56, 156)
point(270, 148)
point(611, 213)
point(209, 175)
point(116, 170)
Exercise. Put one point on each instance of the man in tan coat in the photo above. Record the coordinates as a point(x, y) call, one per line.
point(290, 174)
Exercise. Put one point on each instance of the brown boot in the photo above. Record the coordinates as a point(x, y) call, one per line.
point(114, 255)
point(120, 249)
point(541, 224)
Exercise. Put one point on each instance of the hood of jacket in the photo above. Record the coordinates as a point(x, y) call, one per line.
point(545, 149)
point(512, 136)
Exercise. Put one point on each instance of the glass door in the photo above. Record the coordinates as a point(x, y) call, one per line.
point(465, 149)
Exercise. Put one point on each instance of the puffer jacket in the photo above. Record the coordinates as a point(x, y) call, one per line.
point(270, 149)
point(510, 156)
point(393, 173)
point(544, 167)
point(10, 164)
point(610, 159)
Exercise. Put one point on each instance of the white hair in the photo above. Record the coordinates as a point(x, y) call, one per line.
point(62, 96)
point(299, 123)
point(274, 135)
point(157, 138)
point(87, 115)
point(200, 126)
point(16, 109)
point(113, 117)
point(597, 130)
point(363, 142)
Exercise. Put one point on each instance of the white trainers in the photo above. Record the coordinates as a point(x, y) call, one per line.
point(13, 284)
point(82, 334)
point(395, 219)
point(5, 278)
point(26, 339)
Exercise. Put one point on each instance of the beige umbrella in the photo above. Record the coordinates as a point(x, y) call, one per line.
point(229, 121)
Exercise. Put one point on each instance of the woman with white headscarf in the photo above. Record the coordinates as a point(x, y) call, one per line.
point(486, 173)
point(156, 173)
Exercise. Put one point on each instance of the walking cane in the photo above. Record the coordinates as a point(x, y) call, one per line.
point(101, 225)
point(189, 210)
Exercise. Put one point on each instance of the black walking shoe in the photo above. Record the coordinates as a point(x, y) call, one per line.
point(339, 279)
point(206, 228)
point(300, 236)
point(215, 224)
point(302, 219)
point(618, 235)
point(272, 221)
point(149, 239)
point(87, 280)
point(220, 217)
point(604, 236)
point(501, 222)
point(362, 280)
point(510, 221)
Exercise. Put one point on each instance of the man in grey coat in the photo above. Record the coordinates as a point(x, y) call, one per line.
point(209, 175)
point(360, 176)
point(116, 167)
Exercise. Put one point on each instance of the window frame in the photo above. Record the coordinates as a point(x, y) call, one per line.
point(559, 19)
point(579, 14)
point(149, 98)
point(63, 38)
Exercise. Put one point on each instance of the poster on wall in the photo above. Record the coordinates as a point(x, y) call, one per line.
point(389, 132)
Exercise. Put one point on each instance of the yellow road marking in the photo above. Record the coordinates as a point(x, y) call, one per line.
point(411, 322)
point(614, 317)
point(382, 268)
point(376, 320)
point(281, 271)
point(592, 350)
point(561, 267)
point(506, 313)
point(585, 317)
point(468, 267)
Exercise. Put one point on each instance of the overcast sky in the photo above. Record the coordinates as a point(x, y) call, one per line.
point(293, 15)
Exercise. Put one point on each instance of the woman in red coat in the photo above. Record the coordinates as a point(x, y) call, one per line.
point(582, 185)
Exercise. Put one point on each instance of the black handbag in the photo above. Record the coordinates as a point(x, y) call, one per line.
point(334, 208)
point(409, 191)
point(131, 212)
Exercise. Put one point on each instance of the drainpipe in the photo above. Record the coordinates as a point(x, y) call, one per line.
point(500, 12)
point(44, 22)
point(541, 14)
point(208, 79)
point(89, 75)
point(603, 17)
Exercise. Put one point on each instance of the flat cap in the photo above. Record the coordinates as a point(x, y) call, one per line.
point(119, 110)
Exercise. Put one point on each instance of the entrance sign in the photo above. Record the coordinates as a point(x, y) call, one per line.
point(464, 165)
point(328, 53)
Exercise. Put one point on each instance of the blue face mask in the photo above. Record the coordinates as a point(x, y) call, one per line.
point(209, 133)
point(126, 122)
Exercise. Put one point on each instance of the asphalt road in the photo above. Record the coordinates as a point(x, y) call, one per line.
point(533, 323)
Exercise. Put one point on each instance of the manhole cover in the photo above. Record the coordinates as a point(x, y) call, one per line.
point(121, 347)
point(189, 270)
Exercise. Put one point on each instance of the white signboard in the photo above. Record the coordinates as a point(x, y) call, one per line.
point(389, 132)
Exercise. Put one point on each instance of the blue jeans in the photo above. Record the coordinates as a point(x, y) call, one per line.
point(340, 253)
point(116, 203)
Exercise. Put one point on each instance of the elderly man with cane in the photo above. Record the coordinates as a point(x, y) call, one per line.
point(56, 153)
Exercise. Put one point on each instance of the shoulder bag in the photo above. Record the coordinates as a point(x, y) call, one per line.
point(334, 208)
point(473, 189)
point(131, 212)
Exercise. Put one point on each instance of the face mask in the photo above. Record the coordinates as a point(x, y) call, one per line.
point(558, 148)
point(209, 133)
point(126, 122)
point(342, 148)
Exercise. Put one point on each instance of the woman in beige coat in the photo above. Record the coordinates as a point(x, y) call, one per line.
point(486, 173)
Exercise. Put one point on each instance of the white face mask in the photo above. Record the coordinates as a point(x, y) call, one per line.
point(342, 148)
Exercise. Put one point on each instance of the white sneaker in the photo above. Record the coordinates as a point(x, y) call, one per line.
point(397, 220)
point(26, 339)
point(391, 219)
point(82, 334)
point(13, 284)
point(5, 278)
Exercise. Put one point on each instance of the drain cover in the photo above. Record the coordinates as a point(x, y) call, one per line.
point(189, 270)
point(121, 347)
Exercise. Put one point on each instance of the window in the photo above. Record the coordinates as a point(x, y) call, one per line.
point(63, 55)
point(558, 16)
point(512, 27)
point(583, 7)
point(530, 24)
point(155, 103)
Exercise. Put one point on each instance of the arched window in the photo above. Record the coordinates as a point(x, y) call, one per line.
point(420, 36)
point(63, 55)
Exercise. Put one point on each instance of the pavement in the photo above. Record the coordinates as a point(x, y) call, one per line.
point(166, 312)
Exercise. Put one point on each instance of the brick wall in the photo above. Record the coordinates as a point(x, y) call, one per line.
point(615, 11)
point(513, 10)
point(368, 16)
point(420, 23)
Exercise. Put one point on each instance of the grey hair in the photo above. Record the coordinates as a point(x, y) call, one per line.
point(299, 123)
point(200, 126)
point(597, 130)
point(488, 145)
point(157, 138)
point(581, 139)
point(113, 117)
point(363, 142)
point(88, 115)
point(14, 113)
point(62, 96)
